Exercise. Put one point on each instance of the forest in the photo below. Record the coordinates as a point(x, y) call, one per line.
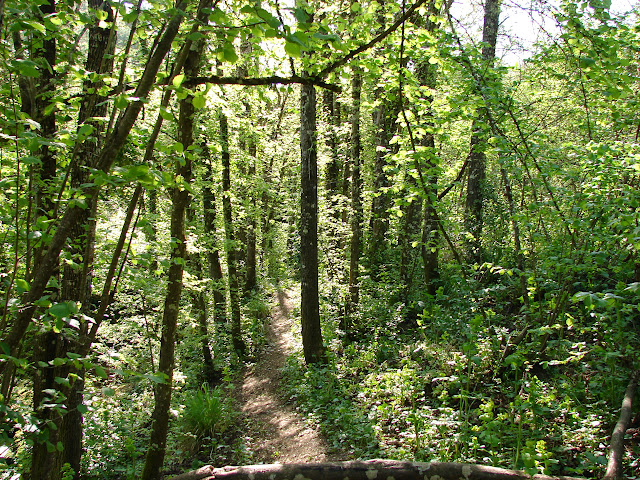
point(446, 193)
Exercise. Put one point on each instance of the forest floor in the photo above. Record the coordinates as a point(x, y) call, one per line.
point(275, 431)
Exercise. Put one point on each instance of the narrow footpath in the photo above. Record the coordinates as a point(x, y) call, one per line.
point(276, 433)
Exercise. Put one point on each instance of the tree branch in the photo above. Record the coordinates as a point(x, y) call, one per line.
point(363, 48)
point(252, 81)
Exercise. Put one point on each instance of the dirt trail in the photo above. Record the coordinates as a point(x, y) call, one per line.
point(275, 431)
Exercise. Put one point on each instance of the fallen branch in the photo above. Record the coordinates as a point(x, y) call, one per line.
point(359, 470)
point(614, 466)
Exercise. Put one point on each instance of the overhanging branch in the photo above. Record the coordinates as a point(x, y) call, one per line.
point(252, 81)
point(363, 48)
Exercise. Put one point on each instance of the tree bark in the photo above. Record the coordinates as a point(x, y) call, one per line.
point(614, 465)
point(356, 199)
point(363, 470)
point(310, 308)
point(384, 117)
point(76, 280)
point(180, 202)
point(426, 74)
point(213, 254)
point(409, 231)
point(251, 281)
point(234, 281)
point(473, 214)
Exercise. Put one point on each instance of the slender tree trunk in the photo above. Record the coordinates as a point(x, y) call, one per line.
point(516, 235)
point(180, 203)
point(426, 75)
point(234, 281)
point(310, 308)
point(356, 198)
point(332, 176)
point(213, 254)
point(46, 455)
point(384, 123)
point(409, 231)
point(251, 281)
point(199, 309)
point(45, 55)
point(473, 214)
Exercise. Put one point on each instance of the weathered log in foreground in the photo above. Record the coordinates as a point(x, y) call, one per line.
point(359, 470)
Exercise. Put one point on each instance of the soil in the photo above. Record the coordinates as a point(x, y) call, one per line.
point(275, 431)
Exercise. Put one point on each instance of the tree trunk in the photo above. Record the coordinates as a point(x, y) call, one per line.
point(234, 281)
point(310, 308)
point(384, 122)
point(48, 407)
point(199, 308)
point(473, 212)
point(409, 231)
point(251, 263)
point(46, 453)
point(356, 200)
point(76, 282)
point(44, 173)
point(213, 255)
point(180, 202)
point(332, 176)
point(426, 75)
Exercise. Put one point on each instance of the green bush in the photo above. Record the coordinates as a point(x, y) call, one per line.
point(208, 412)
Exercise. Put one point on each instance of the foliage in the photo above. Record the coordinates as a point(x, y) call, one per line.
point(207, 412)
point(517, 358)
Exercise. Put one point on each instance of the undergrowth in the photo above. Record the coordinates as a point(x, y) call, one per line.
point(439, 386)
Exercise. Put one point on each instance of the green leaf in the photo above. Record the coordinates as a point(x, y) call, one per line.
point(108, 392)
point(22, 284)
point(292, 49)
point(272, 21)
point(26, 68)
point(121, 101)
point(60, 310)
point(100, 371)
point(82, 408)
point(155, 378)
point(218, 17)
point(34, 25)
point(227, 54)
point(301, 15)
point(165, 114)
point(177, 80)
point(199, 101)
point(195, 36)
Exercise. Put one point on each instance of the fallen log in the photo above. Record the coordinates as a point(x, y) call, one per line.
point(363, 470)
point(614, 465)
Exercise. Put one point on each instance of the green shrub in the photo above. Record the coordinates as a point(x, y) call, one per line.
point(208, 412)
